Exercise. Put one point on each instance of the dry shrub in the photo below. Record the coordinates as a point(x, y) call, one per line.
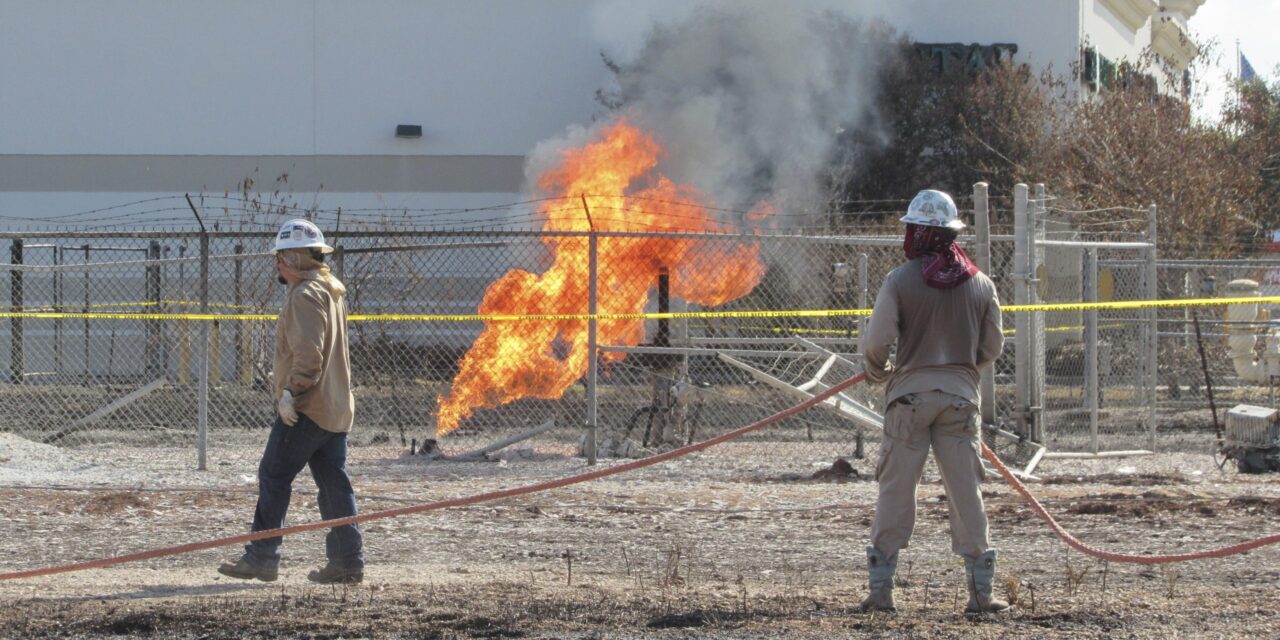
point(1104, 155)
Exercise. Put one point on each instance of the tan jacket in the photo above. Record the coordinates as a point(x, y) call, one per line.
point(311, 355)
point(944, 336)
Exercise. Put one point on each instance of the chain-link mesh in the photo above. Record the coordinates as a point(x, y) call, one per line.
point(134, 383)
point(1182, 391)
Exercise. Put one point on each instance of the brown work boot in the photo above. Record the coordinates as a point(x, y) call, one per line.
point(331, 574)
point(880, 570)
point(980, 575)
point(242, 569)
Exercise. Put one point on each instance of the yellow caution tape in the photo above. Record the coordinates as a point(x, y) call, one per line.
point(802, 313)
point(165, 303)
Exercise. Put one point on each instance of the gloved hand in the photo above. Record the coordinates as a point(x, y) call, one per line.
point(876, 376)
point(285, 408)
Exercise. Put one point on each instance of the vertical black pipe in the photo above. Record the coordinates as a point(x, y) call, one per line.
point(15, 324)
point(154, 353)
point(663, 337)
point(239, 300)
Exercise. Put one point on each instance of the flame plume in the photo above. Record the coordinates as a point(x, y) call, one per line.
point(542, 358)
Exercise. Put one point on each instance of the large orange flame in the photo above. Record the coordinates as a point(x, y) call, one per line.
point(542, 358)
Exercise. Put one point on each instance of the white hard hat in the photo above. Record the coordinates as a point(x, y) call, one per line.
point(933, 209)
point(300, 234)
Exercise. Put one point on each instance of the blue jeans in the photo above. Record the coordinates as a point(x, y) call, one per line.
point(288, 450)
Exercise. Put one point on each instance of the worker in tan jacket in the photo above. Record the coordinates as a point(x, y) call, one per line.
point(314, 410)
point(944, 316)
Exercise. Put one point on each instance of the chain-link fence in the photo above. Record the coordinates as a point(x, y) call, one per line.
point(106, 351)
point(109, 352)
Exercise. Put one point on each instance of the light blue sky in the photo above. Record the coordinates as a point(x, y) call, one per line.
point(1253, 23)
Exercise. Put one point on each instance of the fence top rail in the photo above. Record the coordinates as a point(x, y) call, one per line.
point(1094, 244)
point(1231, 262)
point(406, 233)
point(442, 233)
point(158, 262)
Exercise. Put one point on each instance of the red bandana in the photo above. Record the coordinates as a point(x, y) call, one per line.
point(944, 264)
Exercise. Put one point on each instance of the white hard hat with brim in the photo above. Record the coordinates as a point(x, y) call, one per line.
point(300, 233)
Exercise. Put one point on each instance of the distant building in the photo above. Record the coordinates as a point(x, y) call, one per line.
point(103, 103)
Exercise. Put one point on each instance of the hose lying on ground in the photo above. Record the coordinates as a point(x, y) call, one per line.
point(1071, 541)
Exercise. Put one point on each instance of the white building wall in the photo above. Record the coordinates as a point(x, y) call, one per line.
point(1110, 34)
point(292, 77)
point(158, 97)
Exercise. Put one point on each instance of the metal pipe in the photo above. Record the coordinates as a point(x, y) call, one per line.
point(1153, 345)
point(86, 249)
point(864, 289)
point(663, 337)
point(982, 254)
point(593, 354)
point(202, 412)
point(1022, 321)
point(1089, 244)
point(57, 308)
point(1035, 226)
point(152, 353)
point(428, 247)
point(704, 351)
point(15, 324)
point(437, 234)
point(244, 363)
point(1091, 346)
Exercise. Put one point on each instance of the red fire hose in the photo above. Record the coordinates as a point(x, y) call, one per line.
point(435, 506)
point(1076, 544)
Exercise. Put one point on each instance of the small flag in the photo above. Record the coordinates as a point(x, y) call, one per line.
point(1246, 70)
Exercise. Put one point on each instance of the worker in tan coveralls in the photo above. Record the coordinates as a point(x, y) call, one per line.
point(314, 411)
point(944, 315)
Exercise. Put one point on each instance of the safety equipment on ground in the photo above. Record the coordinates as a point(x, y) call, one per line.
point(300, 233)
point(980, 575)
point(285, 408)
point(933, 209)
point(880, 570)
point(1251, 437)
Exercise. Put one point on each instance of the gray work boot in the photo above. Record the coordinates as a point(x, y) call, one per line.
point(880, 570)
point(333, 574)
point(980, 575)
point(243, 569)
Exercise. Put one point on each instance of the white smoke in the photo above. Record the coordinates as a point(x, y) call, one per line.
point(748, 98)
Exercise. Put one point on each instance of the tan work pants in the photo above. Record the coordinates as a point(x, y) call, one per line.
point(950, 423)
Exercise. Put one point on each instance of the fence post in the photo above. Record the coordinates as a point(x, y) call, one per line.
point(1153, 326)
point(86, 310)
point(592, 355)
point(1091, 345)
point(202, 428)
point(1021, 321)
point(15, 324)
point(57, 308)
point(982, 253)
point(1036, 228)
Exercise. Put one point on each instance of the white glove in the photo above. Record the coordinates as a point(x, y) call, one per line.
point(285, 408)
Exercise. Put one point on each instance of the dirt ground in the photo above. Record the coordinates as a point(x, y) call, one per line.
point(738, 542)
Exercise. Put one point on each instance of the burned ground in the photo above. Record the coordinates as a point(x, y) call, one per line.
point(700, 547)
